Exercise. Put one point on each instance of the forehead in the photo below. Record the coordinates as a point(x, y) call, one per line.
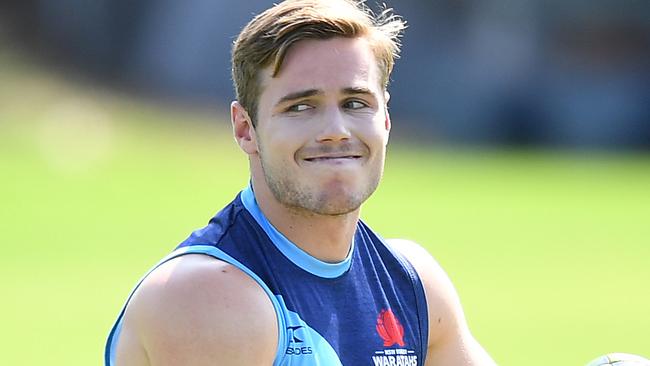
point(326, 65)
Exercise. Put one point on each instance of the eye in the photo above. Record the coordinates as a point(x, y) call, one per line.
point(301, 107)
point(354, 104)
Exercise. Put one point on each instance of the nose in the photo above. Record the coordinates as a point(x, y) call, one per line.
point(334, 128)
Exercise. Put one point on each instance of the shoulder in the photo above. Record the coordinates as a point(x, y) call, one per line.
point(450, 340)
point(198, 310)
point(445, 311)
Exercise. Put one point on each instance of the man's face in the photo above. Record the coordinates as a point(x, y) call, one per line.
point(323, 127)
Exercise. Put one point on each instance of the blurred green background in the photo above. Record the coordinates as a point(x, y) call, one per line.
point(550, 251)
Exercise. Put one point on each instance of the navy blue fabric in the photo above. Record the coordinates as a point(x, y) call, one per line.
point(344, 310)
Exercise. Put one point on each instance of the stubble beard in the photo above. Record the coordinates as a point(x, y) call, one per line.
point(315, 200)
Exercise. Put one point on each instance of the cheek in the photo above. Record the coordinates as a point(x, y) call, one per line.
point(280, 147)
point(378, 134)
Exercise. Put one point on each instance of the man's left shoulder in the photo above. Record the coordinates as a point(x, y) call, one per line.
point(429, 270)
point(445, 311)
point(419, 257)
point(408, 248)
point(450, 340)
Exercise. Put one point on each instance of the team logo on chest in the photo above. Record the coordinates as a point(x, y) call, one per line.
point(390, 329)
point(395, 352)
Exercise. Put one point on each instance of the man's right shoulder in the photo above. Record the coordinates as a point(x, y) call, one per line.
point(198, 310)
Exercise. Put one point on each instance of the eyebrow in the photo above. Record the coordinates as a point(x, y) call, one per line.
point(298, 95)
point(358, 90)
point(312, 92)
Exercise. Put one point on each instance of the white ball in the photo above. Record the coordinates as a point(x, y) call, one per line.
point(619, 359)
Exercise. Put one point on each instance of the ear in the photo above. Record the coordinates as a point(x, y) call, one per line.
point(386, 99)
point(242, 128)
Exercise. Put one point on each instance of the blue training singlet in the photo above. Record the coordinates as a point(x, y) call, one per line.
point(369, 309)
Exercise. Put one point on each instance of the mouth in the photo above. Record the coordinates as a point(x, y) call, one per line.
point(334, 158)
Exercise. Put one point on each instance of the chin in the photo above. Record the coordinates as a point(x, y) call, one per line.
point(340, 200)
point(335, 208)
point(328, 194)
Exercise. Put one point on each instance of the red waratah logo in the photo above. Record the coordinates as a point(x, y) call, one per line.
point(390, 329)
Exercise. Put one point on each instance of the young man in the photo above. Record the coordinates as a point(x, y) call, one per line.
point(287, 274)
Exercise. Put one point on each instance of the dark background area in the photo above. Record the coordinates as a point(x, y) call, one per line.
point(501, 72)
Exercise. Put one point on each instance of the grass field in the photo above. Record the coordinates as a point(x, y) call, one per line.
point(550, 251)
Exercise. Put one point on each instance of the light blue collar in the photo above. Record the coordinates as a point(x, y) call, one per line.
point(291, 250)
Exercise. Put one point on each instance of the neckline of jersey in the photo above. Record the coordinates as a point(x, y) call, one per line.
point(290, 250)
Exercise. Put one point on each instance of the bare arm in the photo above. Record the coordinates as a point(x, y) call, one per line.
point(196, 310)
point(450, 340)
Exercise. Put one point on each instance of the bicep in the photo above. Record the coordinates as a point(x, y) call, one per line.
point(129, 351)
point(200, 311)
point(458, 349)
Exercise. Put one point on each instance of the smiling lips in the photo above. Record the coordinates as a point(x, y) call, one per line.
point(334, 158)
point(343, 153)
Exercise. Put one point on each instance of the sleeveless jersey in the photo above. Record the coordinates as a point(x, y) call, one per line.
point(369, 309)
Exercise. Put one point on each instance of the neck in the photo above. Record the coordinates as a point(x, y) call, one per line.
point(325, 237)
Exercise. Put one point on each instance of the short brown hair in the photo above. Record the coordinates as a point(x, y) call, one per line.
point(265, 40)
